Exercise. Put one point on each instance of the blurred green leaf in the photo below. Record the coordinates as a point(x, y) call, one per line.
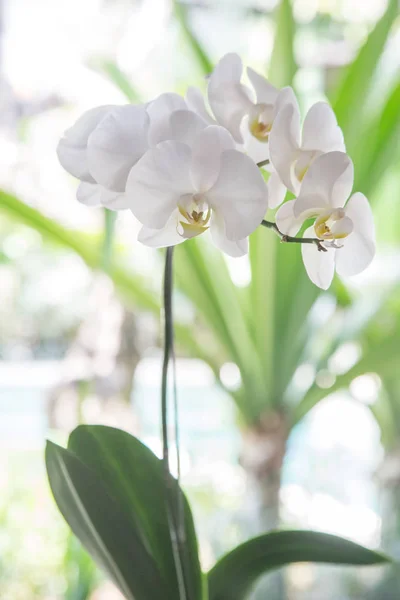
point(133, 289)
point(378, 146)
point(235, 574)
point(350, 94)
point(98, 521)
point(199, 53)
point(119, 78)
point(203, 276)
point(135, 478)
point(382, 358)
point(283, 65)
point(110, 218)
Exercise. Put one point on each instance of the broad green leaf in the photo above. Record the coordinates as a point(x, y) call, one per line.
point(198, 51)
point(382, 358)
point(136, 479)
point(352, 90)
point(234, 575)
point(98, 521)
point(283, 65)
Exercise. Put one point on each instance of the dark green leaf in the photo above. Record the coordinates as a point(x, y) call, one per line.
point(98, 521)
point(135, 477)
point(235, 574)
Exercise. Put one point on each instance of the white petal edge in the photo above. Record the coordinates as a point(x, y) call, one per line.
point(320, 266)
point(286, 221)
point(239, 196)
point(93, 194)
point(116, 145)
point(266, 93)
point(229, 99)
point(72, 148)
point(157, 181)
point(185, 126)
point(321, 131)
point(276, 191)
point(159, 111)
point(284, 143)
point(206, 156)
point(196, 102)
point(161, 238)
point(359, 247)
point(218, 236)
point(327, 183)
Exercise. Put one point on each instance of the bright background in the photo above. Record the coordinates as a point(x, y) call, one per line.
point(317, 395)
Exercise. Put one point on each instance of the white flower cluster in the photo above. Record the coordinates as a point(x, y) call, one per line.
point(183, 169)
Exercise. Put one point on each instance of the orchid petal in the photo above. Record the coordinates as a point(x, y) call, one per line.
point(206, 156)
point(72, 148)
point(195, 101)
point(266, 93)
point(161, 238)
point(327, 183)
point(185, 126)
point(342, 228)
point(159, 112)
point(284, 142)
point(321, 131)
point(286, 97)
point(359, 247)
point(320, 266)
point(116, 145)
point(93, 194)
point(276, 191)
point(239, 195)
point(286, 221)
point(157, 182)
point(229, 99)
point(218, 236)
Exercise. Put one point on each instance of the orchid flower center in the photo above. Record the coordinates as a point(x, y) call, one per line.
point(304, 162)
point(260, 121)
point(195, 213)
point(333, 225)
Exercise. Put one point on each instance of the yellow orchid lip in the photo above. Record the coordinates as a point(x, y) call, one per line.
point(260, 130)
point(195, 223)
point(323, 225)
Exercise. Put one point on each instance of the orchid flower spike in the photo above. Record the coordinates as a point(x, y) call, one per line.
point(292, 152)
point(345, 229)
point(194, 182)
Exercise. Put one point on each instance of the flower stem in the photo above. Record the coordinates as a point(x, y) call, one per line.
point(174, 497)
point(293, 240)
point(263, 163)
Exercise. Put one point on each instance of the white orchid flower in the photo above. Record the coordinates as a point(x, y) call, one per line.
point(194, 182)
point(103, 145)
point(293, 151)
point(345, 229)
point(232, 102)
